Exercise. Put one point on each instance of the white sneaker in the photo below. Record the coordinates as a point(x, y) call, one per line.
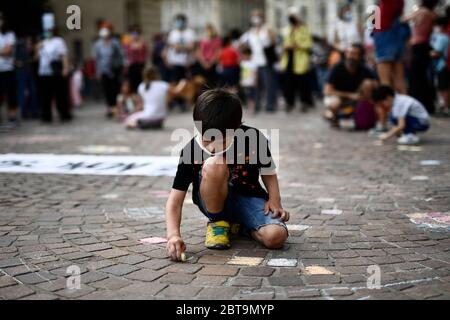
point(408, 139)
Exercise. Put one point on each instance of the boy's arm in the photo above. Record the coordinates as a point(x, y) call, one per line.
point(175, 245)
point(274, 203)
point(394, 131)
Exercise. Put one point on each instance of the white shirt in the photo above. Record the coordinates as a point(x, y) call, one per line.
point(347, 33)
point(7, 63)
point(155, 99)
point(52, 49)
point(184, 37)
point(257, 40)
point(249, 72)
point(404, 106)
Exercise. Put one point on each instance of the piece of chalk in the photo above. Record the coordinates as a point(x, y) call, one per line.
point(183, 257)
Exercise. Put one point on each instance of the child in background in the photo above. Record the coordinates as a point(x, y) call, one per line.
point(407, 114)
point(127, 102)
point(154, 94)
point(76, 86)
point(440, 45)
point(229, 64)
point(249, 77)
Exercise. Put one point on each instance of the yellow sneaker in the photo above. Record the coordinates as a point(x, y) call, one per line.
point(217, 235)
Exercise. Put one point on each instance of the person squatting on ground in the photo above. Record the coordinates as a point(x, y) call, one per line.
point(406, 113)
point(224, 162)
point(346, 82)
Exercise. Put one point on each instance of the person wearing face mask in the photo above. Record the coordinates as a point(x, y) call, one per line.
point(261, 40)
point(180, 49)
point(295, 61)
point(53, 74)
point(110, 60)
point(346, 83)
point(137, 54)
point(346, 29)
point(8, 86)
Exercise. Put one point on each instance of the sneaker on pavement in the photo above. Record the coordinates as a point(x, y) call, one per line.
point(375, 132)
point(408, 139)
point(217, 235)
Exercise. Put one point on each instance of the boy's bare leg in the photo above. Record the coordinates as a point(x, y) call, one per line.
point(214, 185)
point(271, 236)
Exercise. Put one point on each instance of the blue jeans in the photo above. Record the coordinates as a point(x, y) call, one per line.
point(26, 87)
point(266, 87)
point(246, 211)
point(413, 125)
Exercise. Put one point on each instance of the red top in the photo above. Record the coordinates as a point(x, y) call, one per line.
point(136, 54)
point(390, 10)
point(229, 57)
point(209, 47)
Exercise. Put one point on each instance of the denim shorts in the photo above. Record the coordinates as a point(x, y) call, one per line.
point(390, 44)
point(246, 211)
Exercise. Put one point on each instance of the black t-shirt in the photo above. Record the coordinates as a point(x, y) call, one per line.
point(342, 80)
point(247, 158)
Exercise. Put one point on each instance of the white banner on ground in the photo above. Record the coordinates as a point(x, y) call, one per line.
point(154, 166)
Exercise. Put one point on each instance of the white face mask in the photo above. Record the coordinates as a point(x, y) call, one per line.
point(218, 146)
point(256, 20)
point(104, 33)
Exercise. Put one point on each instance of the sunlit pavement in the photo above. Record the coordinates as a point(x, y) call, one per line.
point(359, 210)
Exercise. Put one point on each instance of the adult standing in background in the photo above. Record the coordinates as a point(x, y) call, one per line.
point(346, 29)
point(421, 84)
point(137, 53)
point(390, 41)
point(110, 60)
point(180, 49)
point(208, 55)
point(261, 40)
point(53, 76)
point(26, 79)
point(8, 85)
point(295, 61)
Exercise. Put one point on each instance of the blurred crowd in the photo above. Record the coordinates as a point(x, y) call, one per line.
point(362, 75)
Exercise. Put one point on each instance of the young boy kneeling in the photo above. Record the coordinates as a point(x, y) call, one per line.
point(224, 162)
point(407, 114)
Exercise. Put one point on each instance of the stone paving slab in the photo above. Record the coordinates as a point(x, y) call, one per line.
point(51, 222)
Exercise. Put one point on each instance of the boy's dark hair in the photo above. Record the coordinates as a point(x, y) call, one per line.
point(218, 109)
point(441, 21)
point(382, 92)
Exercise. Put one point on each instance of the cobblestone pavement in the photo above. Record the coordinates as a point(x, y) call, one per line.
point(51, 222)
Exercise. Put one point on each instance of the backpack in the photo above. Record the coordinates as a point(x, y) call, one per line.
point(365, 116)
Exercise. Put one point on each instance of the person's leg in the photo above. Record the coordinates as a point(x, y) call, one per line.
point(305, 91)
point(289, 90)
point(22, 90)
point(11, 94)
point(414, 125)
point(271, 236)
point(62, 98)
point(45, 98)
point(385, 73)
point(214, 184)
point(421, 87)
point(249, 213)
point(260, 88)
point(272, 90)
point(399, 77)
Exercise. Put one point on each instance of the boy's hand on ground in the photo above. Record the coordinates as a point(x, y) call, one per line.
point(274, 207)
point(383, 137)
point(175, 247)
